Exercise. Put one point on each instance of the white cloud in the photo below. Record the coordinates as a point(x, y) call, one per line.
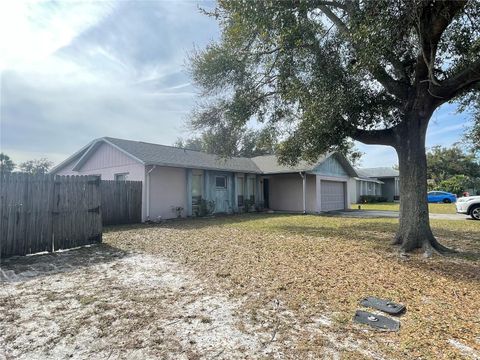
point(31, 31)
point(80, 70)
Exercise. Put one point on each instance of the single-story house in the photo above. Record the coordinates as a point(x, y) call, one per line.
point(179, 178)
point(387, 186)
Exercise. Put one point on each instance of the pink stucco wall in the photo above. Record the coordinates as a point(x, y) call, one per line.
point(168, 187)
point(311, 193)
point(286, 192)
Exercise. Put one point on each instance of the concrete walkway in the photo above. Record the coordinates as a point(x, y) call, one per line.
point(393, 214)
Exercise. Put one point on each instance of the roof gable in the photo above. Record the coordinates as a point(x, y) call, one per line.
point(71, 159)
point(331, 166)
point(102, 153)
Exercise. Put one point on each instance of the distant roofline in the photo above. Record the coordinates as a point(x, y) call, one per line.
point(370, 170)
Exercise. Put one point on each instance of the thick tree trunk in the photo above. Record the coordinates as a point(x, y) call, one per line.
point(414, 231)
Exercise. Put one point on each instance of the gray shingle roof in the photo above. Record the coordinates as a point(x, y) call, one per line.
point(155, 154)
point(378, 172)
point(269, 164)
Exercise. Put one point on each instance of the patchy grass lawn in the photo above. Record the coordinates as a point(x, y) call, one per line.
point(322, 266)
point(434, 208)
point(250, 286)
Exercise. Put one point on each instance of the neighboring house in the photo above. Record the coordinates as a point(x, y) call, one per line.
point(175, 177)
point(387, 185)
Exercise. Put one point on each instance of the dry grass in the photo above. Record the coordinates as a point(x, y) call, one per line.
point(316, 266)
point(117, 305)
point(434, 208)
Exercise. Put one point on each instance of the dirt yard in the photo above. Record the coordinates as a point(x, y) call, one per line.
point(252, 286)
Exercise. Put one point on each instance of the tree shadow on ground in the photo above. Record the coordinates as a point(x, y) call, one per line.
point(197, 223)
point(375, 233)
point(22, 268)
point(460, 265)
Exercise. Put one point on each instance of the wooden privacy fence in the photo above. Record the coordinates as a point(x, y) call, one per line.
point(44, 213)
point(121, 202)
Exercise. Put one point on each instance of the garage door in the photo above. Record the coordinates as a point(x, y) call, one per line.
point(333, 195)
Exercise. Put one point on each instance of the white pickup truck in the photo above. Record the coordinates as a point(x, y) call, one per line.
point(469, 205)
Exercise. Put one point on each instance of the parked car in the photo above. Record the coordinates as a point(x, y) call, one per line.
point(441, 196)
point(469, 205)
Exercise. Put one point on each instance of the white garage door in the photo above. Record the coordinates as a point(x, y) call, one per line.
point(333, 195)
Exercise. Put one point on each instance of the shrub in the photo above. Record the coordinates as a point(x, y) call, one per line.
point(369, 199)
point(177, 210)
point(249, 205)
point(205, 207)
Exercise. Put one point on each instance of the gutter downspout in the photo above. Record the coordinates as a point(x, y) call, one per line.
point(304, 194)
point(147, 191)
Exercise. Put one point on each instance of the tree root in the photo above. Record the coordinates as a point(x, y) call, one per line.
point(397, 240)
point(437, 247)
point(430, 245)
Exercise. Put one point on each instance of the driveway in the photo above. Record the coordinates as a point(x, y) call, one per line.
point(366, 214)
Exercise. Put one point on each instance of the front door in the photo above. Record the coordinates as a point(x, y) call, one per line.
point(266, 191)
point(221, 196)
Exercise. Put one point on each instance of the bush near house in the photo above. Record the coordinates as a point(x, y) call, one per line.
point(369, 199)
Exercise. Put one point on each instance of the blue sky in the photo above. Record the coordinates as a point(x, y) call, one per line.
point(72, 71)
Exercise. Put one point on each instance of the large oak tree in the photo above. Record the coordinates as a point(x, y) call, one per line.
point(318, 72)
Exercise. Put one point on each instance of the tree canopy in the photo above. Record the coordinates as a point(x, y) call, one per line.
point(36, 166)
point(453, 169)
point(321, 71)
point(247, 143)
point(6, 164)
point(472, 135)
point(251, 143)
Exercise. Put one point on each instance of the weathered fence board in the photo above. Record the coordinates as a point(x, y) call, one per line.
point(46, 213)
point(77, 219)
point(43, 213)
point(121, 202)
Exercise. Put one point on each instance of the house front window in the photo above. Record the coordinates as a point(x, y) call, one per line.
point(371, 187)
point(251, 188)
point(121, 177)
point(240, 191)
point(221, 182)
point(197, 185)
point(197, 190)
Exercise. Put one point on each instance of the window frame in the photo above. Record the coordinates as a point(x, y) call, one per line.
point(124, 174)
point(224, 181)
point(201, 186)
point(251, 192)
point(240, 188)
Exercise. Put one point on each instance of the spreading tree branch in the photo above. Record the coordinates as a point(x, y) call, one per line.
point(334, 4)
point(335, 19)
point(432, 21)
point(458, 83)
point(374, 137)
point(393, 86)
